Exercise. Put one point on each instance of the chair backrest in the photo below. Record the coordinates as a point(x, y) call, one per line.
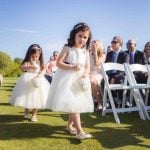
point(131, 68)
point(113, 66)
point(148, 68)
point(110, 66)
point(138, 67)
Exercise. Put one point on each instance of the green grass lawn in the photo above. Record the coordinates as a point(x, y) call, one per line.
point(17, 133)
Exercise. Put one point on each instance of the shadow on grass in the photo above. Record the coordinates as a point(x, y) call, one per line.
point(109, 135)
point(12, 127)
point(4, 104)
point(8, 86)
point(4, 119)
point(1, 89)
point(116, 136)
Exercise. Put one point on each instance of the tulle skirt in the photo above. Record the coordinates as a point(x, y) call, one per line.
point(67, 95)
point(25, 94)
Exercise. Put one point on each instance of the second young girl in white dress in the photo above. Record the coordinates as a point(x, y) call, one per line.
point(32, 88)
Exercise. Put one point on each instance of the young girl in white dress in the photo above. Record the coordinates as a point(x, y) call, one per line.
point(70, 89)
point(32, 88)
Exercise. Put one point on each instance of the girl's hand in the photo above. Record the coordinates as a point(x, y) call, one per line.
point(94, 47)
point(77, 67)
point(38, 76)
point(84, 76)
point(34, 67)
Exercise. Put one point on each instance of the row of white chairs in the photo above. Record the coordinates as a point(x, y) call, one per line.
point(141, 105)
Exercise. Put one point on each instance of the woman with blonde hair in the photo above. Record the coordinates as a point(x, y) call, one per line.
point(97, 56)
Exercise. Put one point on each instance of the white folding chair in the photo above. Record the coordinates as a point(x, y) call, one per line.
point(148, 90)
point(138, 86)
point(108, 88)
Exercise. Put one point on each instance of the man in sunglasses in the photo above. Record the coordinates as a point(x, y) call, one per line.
point(117, 55)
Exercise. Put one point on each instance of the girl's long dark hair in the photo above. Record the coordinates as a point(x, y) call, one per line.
point(77, 28)
point(34, 48)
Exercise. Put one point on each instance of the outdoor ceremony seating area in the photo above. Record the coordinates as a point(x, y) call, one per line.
point(139, 93)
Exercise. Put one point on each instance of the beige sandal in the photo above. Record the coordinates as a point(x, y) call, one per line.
point(71, 131)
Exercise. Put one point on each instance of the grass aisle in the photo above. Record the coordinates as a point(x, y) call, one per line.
point(17, 133)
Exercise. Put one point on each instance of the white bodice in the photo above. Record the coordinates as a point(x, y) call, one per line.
point(76, 56)
point(37, 64)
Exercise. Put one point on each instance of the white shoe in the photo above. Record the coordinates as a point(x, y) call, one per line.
point(99, 107)
point(34, 119)
point(82, 136)
point(26, 115)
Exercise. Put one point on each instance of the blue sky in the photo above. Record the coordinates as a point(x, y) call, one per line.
point(48, 22)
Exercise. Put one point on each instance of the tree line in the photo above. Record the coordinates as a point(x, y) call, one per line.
point(8, 66)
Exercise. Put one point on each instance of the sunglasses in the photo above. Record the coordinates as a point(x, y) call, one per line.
point(114, 42)
point(130, 43)
point(148, 47)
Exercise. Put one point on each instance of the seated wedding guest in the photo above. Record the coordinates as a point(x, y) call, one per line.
point(146, 58)
point(135, 57)
point(51, 66)
point(96, 57)
point(146, 61)
point(117, 55)
point(147, 53)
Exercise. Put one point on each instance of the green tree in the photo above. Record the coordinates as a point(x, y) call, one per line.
point(9, 67)
point(5, 62)
point(18, 60)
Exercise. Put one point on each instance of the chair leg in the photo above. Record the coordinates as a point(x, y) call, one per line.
point(113, 107)
point(124, 98)
point(136, 96)
point(104, 102)
point(146, 97)
point(143, 105)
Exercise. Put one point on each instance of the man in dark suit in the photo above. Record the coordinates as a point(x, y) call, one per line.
point(117, 55)
point(135, 57)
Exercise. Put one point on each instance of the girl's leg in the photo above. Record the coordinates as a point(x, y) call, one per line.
point(26, 113)
point(70, 123)
point(80, 133)
point(70, 128)
point(26, 110)
point(76, 120)
point(34, 115)
point(96, 93)
point(93, 86)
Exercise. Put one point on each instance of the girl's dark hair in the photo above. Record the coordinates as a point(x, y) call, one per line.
point(77, 28)
point(34, 48)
